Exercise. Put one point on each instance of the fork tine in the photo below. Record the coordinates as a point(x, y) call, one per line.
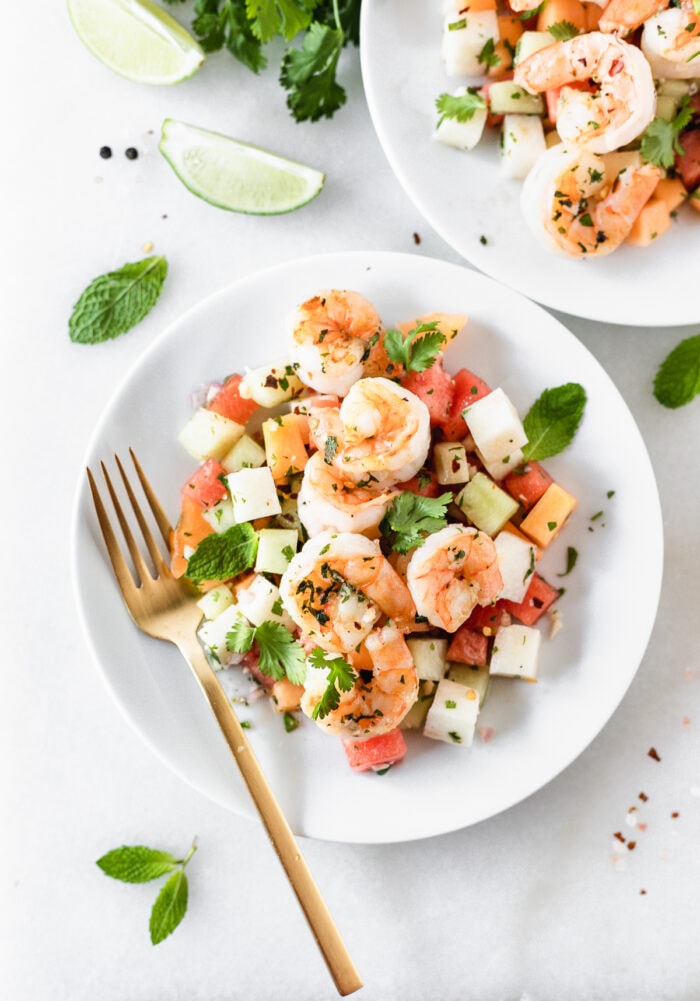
point(140, 565)
point(119, 564)
point(158, 512)
point(156, 555)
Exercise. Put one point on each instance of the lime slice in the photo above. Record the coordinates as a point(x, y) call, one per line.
point(234, 175)
point(136, 39)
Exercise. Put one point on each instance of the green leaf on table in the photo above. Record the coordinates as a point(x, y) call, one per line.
point(115, 302)
point(136, 863)
point(224, 555)
point(309, 74)
point(279, 17)
point(170, 907)
point(677, 381)
point(553, 420)
point(224, 24)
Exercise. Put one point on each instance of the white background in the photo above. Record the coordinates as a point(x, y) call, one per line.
point(542, 900)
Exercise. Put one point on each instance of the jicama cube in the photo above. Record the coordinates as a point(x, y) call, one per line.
point(429, 656)
point(516, 561)
point(461, 134)
point(515, 652)
point(498, 433)
point(214, 602)
point(261, 601)
point(208, 435)
point(453, 713)
point(464, 38)
point(253, 494)
point(213, 634)
point(485, 504)
point(531, 42)
point(450, 462)
point(271, 385)
point(507, 98)
point(220, 516)
point(522, 144)
point(245, 454)
point(472, 676)
point(276, 547)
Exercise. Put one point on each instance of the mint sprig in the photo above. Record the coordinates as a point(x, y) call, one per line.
point(553, 420)
point(114, 303)
point(140, 864)
point(677, 381)
point(224, 555)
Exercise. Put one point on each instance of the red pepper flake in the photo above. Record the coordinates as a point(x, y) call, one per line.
point(674, 814)
point(632, 845)
point(642, 892)
point(416, 238)
point(643, 796)
point(620, 836)
point(686, 721)
point(653, 753)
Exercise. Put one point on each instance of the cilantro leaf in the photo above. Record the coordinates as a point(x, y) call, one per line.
point(218, 557)
point(224, 24)
point(563, 30)
point(348, 17)
point(280, 654)
point(331, 447)
point(525, 15)
point(553, 420)
point(416, 351)
point(660, 140)
point(279, 17)
point(341, 678)
point(410, 517)
point(309, 74)
point(115, 302)
point(239, 638)
point(461, 107)
point(677, 381)
point(488, 55)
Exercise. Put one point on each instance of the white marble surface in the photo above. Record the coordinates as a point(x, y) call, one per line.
point(541, 901)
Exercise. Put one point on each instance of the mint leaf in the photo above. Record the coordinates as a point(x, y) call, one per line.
point(170, 907)
point(418, 350)
point(410, 517)
point(115, 302)
point(341, 678)
point(677, 381)
point(136, 863)
point(553, 420)
point(309, 74)
point(220, 556)
point(280, 654)
point(279, 17)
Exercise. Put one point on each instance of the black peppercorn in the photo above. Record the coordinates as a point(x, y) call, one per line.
point(131, 153)
point(105, 152)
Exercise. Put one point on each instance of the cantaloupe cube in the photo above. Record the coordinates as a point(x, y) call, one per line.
point(284, 446)
point(671, 191)
point(650, 224)
point(548, 516)
point(593, 14)
point(286, 696)
point(555, 11)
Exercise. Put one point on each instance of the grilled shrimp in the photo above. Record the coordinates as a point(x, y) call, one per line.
point(332, 335)
point(575, 204)
point(453, 571)
point(624, 16)
point(338, 586)
point(620, 104)
point(328, 502)
point(379, 698)
point(671, 42)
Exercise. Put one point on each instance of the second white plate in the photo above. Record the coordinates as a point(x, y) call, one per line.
point(465, 199)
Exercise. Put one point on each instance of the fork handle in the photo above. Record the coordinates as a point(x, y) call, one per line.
point(340, 965)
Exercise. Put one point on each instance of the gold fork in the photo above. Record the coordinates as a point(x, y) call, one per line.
point(161, 607)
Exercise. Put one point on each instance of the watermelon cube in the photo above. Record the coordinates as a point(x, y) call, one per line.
point(376, 752)
point(538, 598)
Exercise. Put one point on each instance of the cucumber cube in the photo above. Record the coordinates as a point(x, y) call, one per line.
point(213, 635)
point(450, 463)
point(276, 547)
point(208, 435)
point(516, 561)
point(498, 433)
point(429, 656)
point(453, 714)
point(214, 602)
point(271, 385)
point(507, 98)
point(485, 504)
point(415, 717)
point(245, 454)
point(515, 652)
point(477, 678)
point(261, 601)
point(253, 494)
point(220, 516)
point(522, 144)
point(531, 42)
point(461, 135)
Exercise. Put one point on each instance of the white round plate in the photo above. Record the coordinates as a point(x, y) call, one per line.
point(538, 729)
point(464, 198)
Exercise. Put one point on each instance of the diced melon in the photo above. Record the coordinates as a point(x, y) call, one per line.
point(221, 516)
point(546, 519)
point(531, 42)
point(485, 504)
point(261, 601)
point(671, 191)
point(666, 107)
point(463, 39)
point(208, 435)
point(245, 454)
point(214, 602)
point(453, 714)
point(253, 494)
point(651, 223)
point(285, 696)
point(429, 656)
point(506, 97)
point(276, 547)
point(516, 561)
point(476, 677)
point(556, 11)
point(271, 385)
point(498, 433)
point(522, 144)
point(462, 135)
point(674, 88)
point(415, 717)
point(284, 445)
point(515, 652)
point(213, 634)
point(450, 462)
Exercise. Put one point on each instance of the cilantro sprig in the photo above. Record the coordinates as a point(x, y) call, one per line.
point(341, 678)
point(553, 420)
point(411, 517)
point(461, 107)
point(661, 138)
point(279, 654)
point(418, 350)
point(677, 381)
point(562, 31)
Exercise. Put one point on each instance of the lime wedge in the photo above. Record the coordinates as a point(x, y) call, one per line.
point(234, 175)
point(136, 39)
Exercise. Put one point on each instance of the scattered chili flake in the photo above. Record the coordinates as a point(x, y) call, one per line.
point(631, 845)
point(416, 238)
point(653, 753)
point(620, 836)
point(643, 796)
point(105, 152)
point(674, 814)
point(642, 892)
point(131, 153)
point(686, 721)
point(482, 240)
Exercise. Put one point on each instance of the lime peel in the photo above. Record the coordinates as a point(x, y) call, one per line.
point(136, 39)
point(235, 175)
